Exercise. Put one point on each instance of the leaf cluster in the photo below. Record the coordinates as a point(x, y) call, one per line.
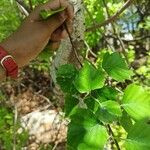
point(92, 104)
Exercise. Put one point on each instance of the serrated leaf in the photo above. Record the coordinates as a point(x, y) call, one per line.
point(116, 67)
point(45, 14)
point(126, 121)
point(91, 103)
point(89, 78)
point(109, 111)
point(136, 102)
point(65, 77)
point(138, 137)
point(105, 93)
point(70, 103)
point(85, 132)
point(45, 55)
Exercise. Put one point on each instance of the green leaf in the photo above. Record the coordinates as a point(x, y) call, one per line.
point(70, 103)
point(45, 55)
point(105, 93)
point(65, 77)
point(116, 67)
point(136, 102)
point(85, 132)
point(89, 78)
point(45, 14)
point(91, 103)
point(138, 137)
point(109, 111)
point(126, 121)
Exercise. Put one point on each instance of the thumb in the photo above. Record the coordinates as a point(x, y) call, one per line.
point(56, 21)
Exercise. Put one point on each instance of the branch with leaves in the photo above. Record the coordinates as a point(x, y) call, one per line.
point(111, 19)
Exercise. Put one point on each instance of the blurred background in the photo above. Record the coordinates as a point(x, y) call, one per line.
point(129, 33)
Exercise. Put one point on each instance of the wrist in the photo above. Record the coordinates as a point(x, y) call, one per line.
point(8, 63)
point(12, 46)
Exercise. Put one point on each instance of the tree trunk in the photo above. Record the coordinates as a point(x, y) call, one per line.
point(65, 53)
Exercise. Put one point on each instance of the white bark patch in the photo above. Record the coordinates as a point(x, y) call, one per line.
point(65, 50)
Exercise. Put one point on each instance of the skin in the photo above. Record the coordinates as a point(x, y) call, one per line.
point(34, 33)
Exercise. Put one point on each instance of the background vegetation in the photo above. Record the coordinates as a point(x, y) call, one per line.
point(114, 81)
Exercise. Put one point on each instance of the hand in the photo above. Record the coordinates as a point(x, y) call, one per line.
point(34, 33)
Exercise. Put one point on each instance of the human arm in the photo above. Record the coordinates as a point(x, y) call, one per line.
point(34, 33)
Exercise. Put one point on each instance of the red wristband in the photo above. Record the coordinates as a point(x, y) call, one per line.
point(8, 63)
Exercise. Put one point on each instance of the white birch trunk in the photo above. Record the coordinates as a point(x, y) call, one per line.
point(65, 53)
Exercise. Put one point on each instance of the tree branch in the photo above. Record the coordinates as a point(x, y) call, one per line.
point(111, 19)
point(31, 6)
point(116, 33)
point(113, 136)
point(20, 2)
point(94, 23)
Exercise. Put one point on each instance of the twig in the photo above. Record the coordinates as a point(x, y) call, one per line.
point(15, 125)
point(22, 10)
point(73, 47)
point(31, 6)
point(112, 134)
point(89, 50)
point(116, 33)
point(54, 146)
point(94, 23)
point(45, 98)
point(20, 2)
point(112, 18)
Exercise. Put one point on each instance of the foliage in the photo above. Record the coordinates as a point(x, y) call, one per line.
point(9, 131)
point(137, 140)
point(46, 14)
point(116, 67)
point(89, 124)
point(104, 99)
point(9, 18)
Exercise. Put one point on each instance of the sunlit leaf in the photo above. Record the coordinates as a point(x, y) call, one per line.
point(109, 111)
point(138, 137)
point(136, 102)
point(70, 103)
point(105, 93)
point(85, 132)
point(89, 78)
point(116, 67)
point(65, 77)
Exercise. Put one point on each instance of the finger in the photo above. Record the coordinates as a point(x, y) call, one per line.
point(69, 9)
point(59, 36)
point(56, 35)
point(50, 5)
point(53, 46)
point(69, 24)
point(55, 4)
point(56, 21)
point(61, 32)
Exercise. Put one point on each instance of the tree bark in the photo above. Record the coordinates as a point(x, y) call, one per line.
point(65, 53)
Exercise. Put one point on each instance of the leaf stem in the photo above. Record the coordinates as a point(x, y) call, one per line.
point(31, 5)
point(112, 134)
point(73, 47)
